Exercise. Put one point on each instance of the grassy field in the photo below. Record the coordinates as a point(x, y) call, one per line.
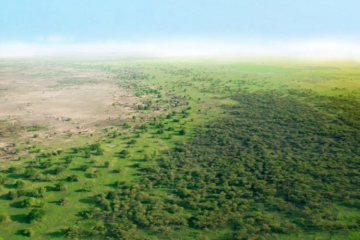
point(181, 161)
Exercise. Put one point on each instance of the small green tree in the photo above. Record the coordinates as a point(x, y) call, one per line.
point(73, 178)
point(4, 218)
point(36, 215)
point(19, 184)
point(61, 187)
point(28, 202)
point(182, 132)
point(27, 232)
point(107, 164)
point(64, 201)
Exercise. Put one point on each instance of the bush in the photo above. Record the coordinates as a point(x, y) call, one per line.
point(27, 232)
point(107, 164)
point(96, 174)
point(73, 232)
point(73, 178)
point(12, 195)
point(85, 167)
point(15, 169)
point(64, 201)
point(4, 218)
point(28, 202)
point(61, 187)
point(182, 132)
point(35, 215)
point(59, 169)
point(19, 184)
point(118, 170)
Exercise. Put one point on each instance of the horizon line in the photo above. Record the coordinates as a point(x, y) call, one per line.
point(299, 49)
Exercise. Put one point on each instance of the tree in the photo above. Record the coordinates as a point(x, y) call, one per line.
point(124, 153)
point(28, 202)
point(87, 154)
point(12, 195)
point(4, 218)
point(61, 187)
point(147, 157)
point(122, 231)
point(182, 132)
point(27, 232)
point(73, 178)
point(99, 151)
point(107, 164)
point(73, 232)
point(59, 170)
point(96, 174)
point(118, 170)
point(19, 184)
point(36, 215)
point(64, 201)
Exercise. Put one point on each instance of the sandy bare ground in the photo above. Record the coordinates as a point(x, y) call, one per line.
point(61, 99)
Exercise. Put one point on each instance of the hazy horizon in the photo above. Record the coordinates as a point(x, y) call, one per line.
point(306, 29)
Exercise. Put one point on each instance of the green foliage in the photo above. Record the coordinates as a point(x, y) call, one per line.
point(4, 218)
point(19, 184)
point(95, 174)
point(182, 132)
point(73, 178)
point(261, 159)
point(106, 164)
point(126, 125)
point(36, 215)
point(27, 232)
point(28, 202)
point(61, 187)
point(64, 201)
point(12, 195)
point(73, 232)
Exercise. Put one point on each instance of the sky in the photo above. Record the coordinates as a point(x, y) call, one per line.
point(318, 28)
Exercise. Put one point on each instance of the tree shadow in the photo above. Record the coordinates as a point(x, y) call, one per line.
point(16, 204)
point(20, 218)
point(88, 200)
point(78, 169)
point(9, 185)
point(51, 189)
point(56, 234)
point(4, 197)
point(15, 175)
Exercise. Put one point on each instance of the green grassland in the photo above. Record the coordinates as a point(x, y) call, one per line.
point(218, 149)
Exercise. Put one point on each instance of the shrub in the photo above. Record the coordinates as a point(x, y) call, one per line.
point(28, 202)
point(27, 232)
point(96, 174)
point(182, 132)
point(19, 184)
point(64, 201)
point(12, 195)
point(61, 187)
point(35, 215)
point(117, 170)
point(4, 218)
point(73, 178)
point(107, 164)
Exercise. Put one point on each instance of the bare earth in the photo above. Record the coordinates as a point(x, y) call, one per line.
point(60, 99)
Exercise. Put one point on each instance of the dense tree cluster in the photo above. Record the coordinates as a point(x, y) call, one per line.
point(276, 165)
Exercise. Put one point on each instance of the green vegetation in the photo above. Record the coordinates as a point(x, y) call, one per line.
point(217, 150)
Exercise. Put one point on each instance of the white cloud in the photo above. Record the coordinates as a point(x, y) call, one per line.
point(313, 49)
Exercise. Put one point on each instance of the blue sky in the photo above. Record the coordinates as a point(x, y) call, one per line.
point(143, 21)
